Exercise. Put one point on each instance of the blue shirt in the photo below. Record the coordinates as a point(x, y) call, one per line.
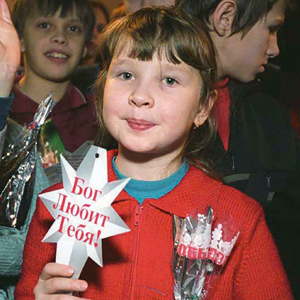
point(141, 190)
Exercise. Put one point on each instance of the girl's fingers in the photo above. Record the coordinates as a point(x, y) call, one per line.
point(55, 280)
point(55, 270)
point(60, 285)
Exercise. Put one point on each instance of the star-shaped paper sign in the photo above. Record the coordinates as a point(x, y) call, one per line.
point(82, 211)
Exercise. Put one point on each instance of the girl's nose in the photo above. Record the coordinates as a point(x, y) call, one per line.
point(141, 98)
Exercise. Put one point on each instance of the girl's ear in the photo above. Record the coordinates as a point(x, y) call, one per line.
point(223, 17)
point(204, 112)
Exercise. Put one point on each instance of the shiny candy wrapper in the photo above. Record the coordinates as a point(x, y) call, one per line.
point(17, 172)
point(198, 255)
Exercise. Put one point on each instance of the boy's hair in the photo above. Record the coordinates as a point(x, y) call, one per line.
point(248, 12)
point(26, 8)
point(164, 32)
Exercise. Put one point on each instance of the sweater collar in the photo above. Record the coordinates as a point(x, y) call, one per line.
point(73, 98)
point(195, 190)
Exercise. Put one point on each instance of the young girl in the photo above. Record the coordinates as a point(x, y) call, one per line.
point(155, 95)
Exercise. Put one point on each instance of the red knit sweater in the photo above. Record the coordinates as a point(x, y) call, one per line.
point(137, 265)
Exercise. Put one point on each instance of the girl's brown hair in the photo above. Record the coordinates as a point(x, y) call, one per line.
point(168, 33)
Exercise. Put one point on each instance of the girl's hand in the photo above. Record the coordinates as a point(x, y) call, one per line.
point(9, 50)
point(55, 283)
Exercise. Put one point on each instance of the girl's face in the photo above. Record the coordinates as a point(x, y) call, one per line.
point(150, 106)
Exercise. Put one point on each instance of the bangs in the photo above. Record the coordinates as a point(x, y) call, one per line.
point(143, 35)
point(145, 50)
point(51, 7)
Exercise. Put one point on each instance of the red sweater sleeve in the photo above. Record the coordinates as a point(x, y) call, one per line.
point(36, 253)
point(261, 268)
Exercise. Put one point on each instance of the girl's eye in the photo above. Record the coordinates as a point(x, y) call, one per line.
point(44, 25)
point(170, 81)
point(126, 76)
point(74, 29)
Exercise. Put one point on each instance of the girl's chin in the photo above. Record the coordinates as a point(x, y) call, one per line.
point(138, 150)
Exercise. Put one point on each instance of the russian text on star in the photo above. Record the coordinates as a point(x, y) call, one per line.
point(82, 211)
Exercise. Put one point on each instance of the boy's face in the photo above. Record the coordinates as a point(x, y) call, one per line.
point(243, 58)
point(100, 22)
point(53, 46)
point(150, 106)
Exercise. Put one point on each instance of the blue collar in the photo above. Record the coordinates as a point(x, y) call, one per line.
point(141, 190)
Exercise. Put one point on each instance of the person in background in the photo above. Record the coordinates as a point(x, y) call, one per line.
point(256, 146)
point(101, 19)
point(290, 67)
point(117, 12)
point(129, 6)
point(133, 5)
point(54, 37)
point(85, 75)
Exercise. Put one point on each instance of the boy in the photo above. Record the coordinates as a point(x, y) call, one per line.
point(53, 37)
point(101, 19)
point(258, 147)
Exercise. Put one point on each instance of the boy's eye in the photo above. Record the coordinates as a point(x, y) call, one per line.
point(44, 25)
point(126, 76)
point(99, 28)
point(274, 29)
point(170, 81)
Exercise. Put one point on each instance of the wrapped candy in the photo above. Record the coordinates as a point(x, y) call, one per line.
point(199, 252)
point(17, 170)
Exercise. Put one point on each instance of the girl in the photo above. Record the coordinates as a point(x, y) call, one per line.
point(155, 96)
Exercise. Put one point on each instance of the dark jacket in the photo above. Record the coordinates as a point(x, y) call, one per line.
point(263, 153)
point(263, 161)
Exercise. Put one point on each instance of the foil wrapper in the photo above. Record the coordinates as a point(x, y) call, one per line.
point(191, 267)
point(198, 255)
point(17, 172)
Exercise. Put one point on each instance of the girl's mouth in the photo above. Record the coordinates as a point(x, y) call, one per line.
point(139, 124)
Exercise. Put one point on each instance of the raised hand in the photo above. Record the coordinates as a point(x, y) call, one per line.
point(9, 50)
